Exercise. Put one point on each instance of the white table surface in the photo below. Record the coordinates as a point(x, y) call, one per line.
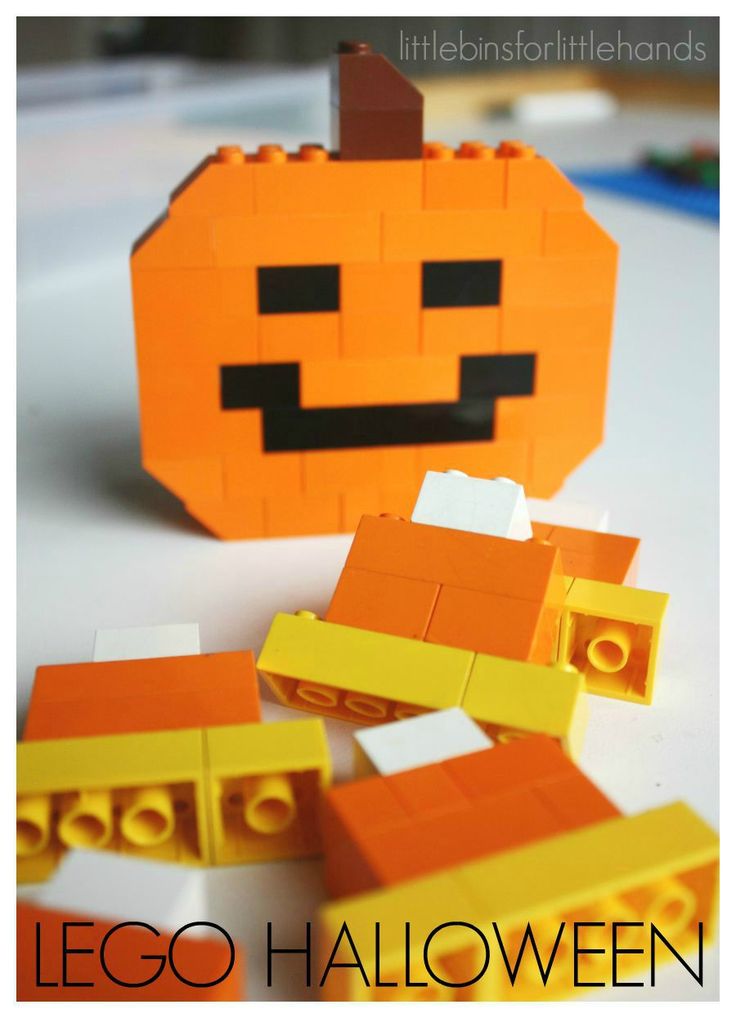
point(101, 544)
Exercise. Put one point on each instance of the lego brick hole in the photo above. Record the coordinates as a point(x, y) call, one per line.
point(611, 654)
point(268, 815)
point(157, 822)
point(347, 705)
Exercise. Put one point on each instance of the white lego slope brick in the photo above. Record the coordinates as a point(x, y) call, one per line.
point(135, 642)
point(496, 507)
point(105, 885)
point(415, 742)
point(568, 514)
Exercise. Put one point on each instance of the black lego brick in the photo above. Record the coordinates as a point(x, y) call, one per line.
point(244, 386)
point(461, 284)
point(497, 375)
point(359, 427)
point(298, 289)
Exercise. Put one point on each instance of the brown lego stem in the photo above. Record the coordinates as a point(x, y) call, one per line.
point(376, 112)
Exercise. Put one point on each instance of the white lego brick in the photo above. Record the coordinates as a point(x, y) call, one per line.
point(568, 514)
point(105, 885)
point(416, 742)
point(496, 507)
point(135, 642)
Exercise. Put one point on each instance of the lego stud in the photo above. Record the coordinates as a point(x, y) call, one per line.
point(367, 706)
point(269, 803)
point(233, 155)
point(610, 647)
point(313, 154)
point(32, 824)
point(148, 818)
point(669, 904)
point(85, 819)
point(319, 696)
point(439, 151)
point(456, 473)
point(476, 150)
point(271, 154)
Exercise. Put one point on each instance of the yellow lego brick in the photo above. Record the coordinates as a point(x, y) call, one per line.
point(515, 698)
point(611, 634)
point(264, 783)
point(659, 867)
point(358, 675)
point(141, 794)
point(227, 794)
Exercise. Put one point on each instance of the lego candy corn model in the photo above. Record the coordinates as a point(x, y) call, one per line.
point(463, 606)
point(317, 330)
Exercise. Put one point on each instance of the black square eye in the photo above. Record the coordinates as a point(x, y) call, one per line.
point(461, 284)
point(298, 289)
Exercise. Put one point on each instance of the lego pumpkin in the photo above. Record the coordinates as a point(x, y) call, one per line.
point(317, 330)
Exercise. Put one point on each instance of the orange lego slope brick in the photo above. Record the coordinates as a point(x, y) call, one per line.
point(384, 830)
point(143, 695)
point(132, 953)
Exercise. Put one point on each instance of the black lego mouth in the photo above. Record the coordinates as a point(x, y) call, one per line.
point(287, 427)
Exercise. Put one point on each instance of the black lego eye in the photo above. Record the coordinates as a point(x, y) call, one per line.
point(461, 284)
point(298, 289)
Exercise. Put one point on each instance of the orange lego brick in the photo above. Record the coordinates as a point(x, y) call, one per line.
point(461, 330)
point(251, 474)
point(201, 478)
point(592, 555)
point(232, 520)
point(299, 338)
point(327, 185)
point(217, 187)
point(560, 280)
point(537, 183)
point(472, 179)
point(558, 328)
point(380, 309)
point(307, 514)
point(327, 470)
point(176, 243)
point(383, 603)
point(564, 370)
point(516, 569)
point(447, 235)
point(145, 695)
point(494, 624)
point(266, 240)
point(533, 417)
point(197, 293)
point(59, 958)
point(467, 807)
point(372, 382)
point(574, 232)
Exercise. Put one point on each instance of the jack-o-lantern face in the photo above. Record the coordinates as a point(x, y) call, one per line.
point(316, 331)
